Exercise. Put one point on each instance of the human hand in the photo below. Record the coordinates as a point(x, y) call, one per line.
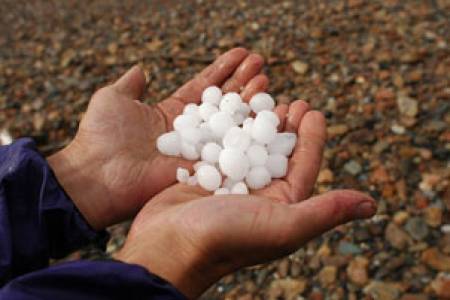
point(192, 240)
point(112, 167)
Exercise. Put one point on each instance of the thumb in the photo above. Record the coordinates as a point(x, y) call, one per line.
point(132, 83)
point(324, 212)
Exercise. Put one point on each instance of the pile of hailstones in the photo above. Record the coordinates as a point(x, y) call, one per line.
point(236, 151)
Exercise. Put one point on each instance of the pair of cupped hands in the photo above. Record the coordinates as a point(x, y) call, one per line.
point(113, 171)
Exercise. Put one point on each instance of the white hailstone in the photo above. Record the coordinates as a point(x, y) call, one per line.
point(244, 109)
point(277, 165)
point(189, 151)
point(263, 130)
point(210, 152)
point(262, 101)
point(269, 115)
point(283, 143)
point(247, 125)
point(233, 163)
point(228, 183)
point(239, 188)
point(185, 121)
point(207, 135)
point(192, 180)
point(230, 103)
point(209, 178)
point(199, 164)
point(258, 177)
point(169, 143)
point(238, 118)
point(222, 191)
point(190, 109)
point(219, 123)
point(191, 135)
point(182, 175)
point(206, 110)
point(212, 95)
point(237, 138)
point(257, 155)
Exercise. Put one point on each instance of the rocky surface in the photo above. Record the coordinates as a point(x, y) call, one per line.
point(379, 70)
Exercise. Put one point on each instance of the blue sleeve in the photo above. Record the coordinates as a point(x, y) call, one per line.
point(38, 221)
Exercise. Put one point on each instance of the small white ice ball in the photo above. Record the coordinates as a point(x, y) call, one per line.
point(199, 164)
point(185, 121)
point(244, 109)
point(192, 180)
point(210, 152)
point(233, 163)
point(258, 177)
point(277, 165)
point(238, 118)
point(283, 143)
point(189, 151)
point(230, 103)
point(262, 101)
point(206, 110)
point(182, 175)
point(257, 155)
point(269, 115)
point(212, 95)
point(263, 130)
point(191, 135)
point(209, 178)
point(228, 183)
point(237, 138)
point(207, 135)
point(220, 122)
point(247, 125)
point(239, 188)
point(222, 191)
point(190, 109)
point(169, 143)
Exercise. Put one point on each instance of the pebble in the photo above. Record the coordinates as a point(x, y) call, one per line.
point(327, 275)
point(396, 236)
point(417, 228)
point(379, 290)
point(346, 248)
point(357, 271)
point(353, 167)
point(441, 286)
point(407, 106)
point(436, 260)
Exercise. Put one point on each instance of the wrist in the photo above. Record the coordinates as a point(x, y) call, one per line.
point(77, 174)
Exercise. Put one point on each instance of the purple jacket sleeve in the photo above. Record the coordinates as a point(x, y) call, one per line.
point(38, 221)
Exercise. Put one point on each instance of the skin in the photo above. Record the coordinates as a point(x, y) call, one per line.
point(112, 169)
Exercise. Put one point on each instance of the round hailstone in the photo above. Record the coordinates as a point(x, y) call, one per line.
point(239, 188)
point(269, 115)
point(200, 163)
point(228, 183)
point(233, 163)
point(190, 109)
point(185, 121)
point(212, 95)
point(169, 143)
point(222, 191)
point(263, 130)
point(182, 175)
point(262, 101)
point(247, 125)
point(209, 178)
point(230, 103)
point(191, 135)
point(220, 122)
point(283, 143)
point(206, 110)
point(257, 155)
point(258, 177)
point(210, 152)
point(277, 165)
point(236, 138)
point(189, 151)
point(244, 109)
point(238, 118)
point(192, 180)
point(207, 135)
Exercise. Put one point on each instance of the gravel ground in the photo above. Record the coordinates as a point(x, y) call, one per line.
point(379, 70)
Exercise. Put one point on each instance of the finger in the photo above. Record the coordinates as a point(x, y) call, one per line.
point(257, 84)
point(131, 84)
point(214, 74)
point(319, 214)
point(249, 68)
point(281, 110)
point(297, 110)
point(305, 162)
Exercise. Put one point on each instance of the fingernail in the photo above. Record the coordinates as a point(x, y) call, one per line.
point(365, 209)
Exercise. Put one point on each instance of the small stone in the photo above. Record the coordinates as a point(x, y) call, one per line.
point(337, 130)
point(327, 275)
point(379, 290)
point(346, 248)
point(300, 67)
point(287, 288)
point(414, 297)
point(353, 167)
point(441, 286)
point(433, 216)
point(436, 260)
point(407, 106)
point(400, 217)
point(396, 236)
point(325, 176)
point(417, 228)
point(357, 270)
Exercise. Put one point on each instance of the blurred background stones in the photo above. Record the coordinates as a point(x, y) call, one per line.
point(379, 70)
